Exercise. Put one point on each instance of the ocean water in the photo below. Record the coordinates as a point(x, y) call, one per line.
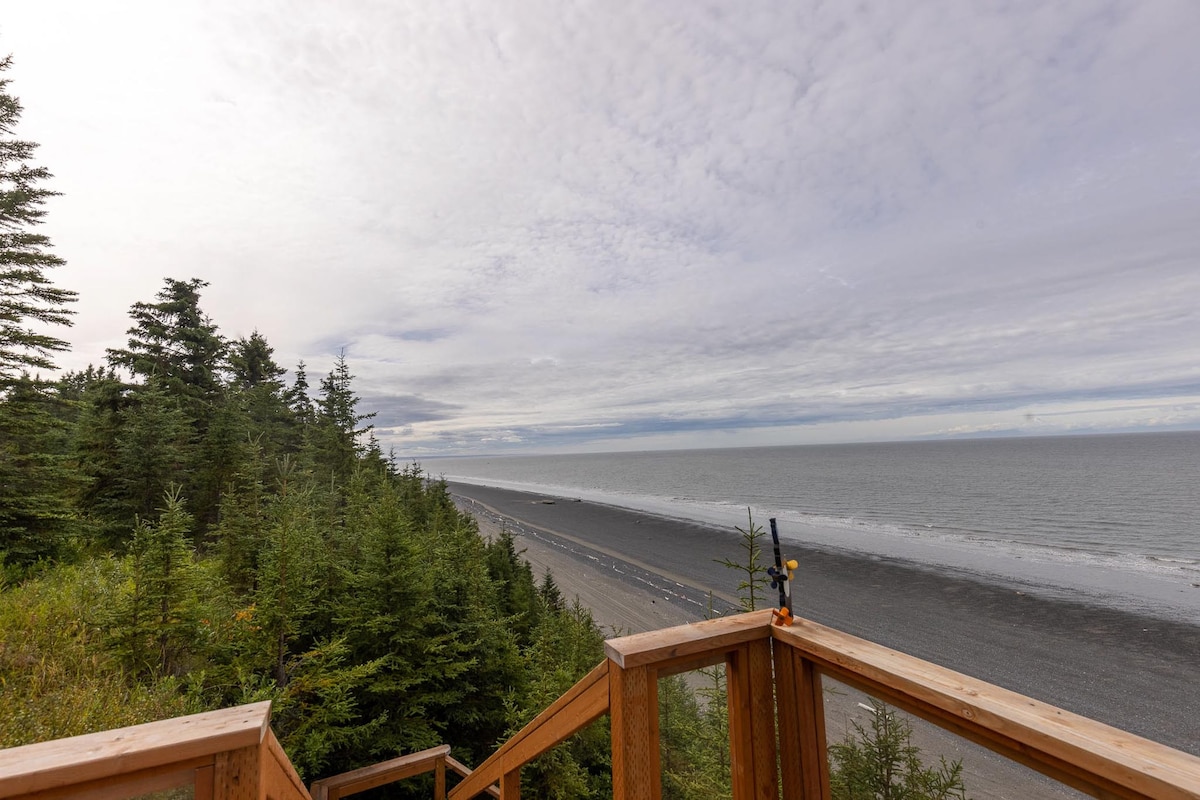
point(1110, 519)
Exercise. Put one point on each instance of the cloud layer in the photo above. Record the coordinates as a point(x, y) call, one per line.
point(575, 225)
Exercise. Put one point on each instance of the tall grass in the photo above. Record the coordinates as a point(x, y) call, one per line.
point(56, 679)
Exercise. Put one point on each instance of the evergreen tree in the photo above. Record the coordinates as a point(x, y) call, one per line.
point(754, 584)
point(37, 516)
point(299, 402)
point(243, 519)
point(288, 572)
point(175, 348)
point(549, 593)
point(101, 500)
point(258, 390)
point(336, 430)
point(252, 363)
point(567, 645)
point(73, 386)
point(695, 759)
point(386, 614)
point(878, 761)
point(215, 460)
point(152, 454)
point(517, 599)
point(28, 300)
point(174, 344)
point(154, 624)
point(475, 641)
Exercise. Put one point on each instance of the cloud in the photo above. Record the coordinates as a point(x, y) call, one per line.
point(532, 223)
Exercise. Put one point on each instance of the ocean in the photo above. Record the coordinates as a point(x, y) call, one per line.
point(1111, 519)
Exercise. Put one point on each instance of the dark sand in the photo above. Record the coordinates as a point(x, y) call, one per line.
point(638, 572)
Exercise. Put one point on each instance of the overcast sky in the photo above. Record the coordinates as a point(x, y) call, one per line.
point(616, 225)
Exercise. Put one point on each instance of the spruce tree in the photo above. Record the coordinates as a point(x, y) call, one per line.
point(34, 513)
point(37, 516)
point(243, 521)
point(28, 300)
point(103, 405)
point(289, 572)
point(174, 344)
point(517, 598)
point(151, 447)
point(154, 621)
point(258, 391)
point(336, 430)
point(175, 348)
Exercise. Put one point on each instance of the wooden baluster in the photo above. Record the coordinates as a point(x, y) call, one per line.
point(789, 721)
point(751, 722)
point(814, 760)
point(636, 765)
point(801, 706)
point(737, 693)
point(204, 783)
point(762, 720)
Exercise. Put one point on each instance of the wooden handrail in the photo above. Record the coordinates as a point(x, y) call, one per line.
point(396, 769)
point(139, 752)
point(462, 770)
point(281, 775)
point(582, 704)
point(1080, 752)
point(672, 649)
point(1089, 755)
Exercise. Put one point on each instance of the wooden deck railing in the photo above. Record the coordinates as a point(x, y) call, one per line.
point(360, 780)
point(776, 706)
point(777, 671)
point(584, 703)
point(223, 755)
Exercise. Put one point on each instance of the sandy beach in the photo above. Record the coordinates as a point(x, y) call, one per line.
point(640, 572)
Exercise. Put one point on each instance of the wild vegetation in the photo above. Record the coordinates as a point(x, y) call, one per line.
point(221, 538)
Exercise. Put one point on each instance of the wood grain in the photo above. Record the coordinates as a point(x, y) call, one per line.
point(237, 774)
point(693, 639)
point(78, 759)
point(282, 782)
point(1087, 754)
point(636, 764)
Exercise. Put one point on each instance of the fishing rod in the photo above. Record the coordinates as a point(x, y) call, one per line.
point(782, 575)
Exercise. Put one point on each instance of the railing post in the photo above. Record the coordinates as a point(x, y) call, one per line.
point(751, 721)
point(636, 765)
point(510, 784)
point(237, 773)
point(805, 762)
point(439, 779)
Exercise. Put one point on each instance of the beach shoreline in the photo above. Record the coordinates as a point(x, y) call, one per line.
point(640, 572)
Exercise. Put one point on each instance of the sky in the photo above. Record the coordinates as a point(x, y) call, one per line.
point(538, 226)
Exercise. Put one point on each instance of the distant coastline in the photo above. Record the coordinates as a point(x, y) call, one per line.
point(1068, 654)
point(1108, 520)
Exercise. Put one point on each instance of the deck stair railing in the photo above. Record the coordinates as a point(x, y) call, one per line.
point(774, 679)
point(436, 760)
point(231, 753)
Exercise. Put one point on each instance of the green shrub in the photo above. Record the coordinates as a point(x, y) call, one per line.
point(879, 762)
